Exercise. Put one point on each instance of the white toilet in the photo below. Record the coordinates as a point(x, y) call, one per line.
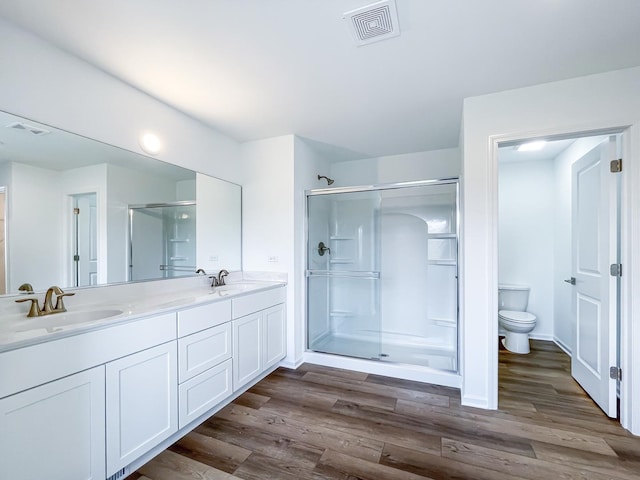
point(513, 317)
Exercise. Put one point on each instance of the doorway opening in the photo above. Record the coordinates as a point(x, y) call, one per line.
point(559, 236)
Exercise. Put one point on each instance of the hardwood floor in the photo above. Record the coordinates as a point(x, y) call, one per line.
point(323, 423)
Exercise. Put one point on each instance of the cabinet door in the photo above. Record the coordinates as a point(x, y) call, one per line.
point(273, 335)
point(142, 407)
point(55, 431)
point(247, 349)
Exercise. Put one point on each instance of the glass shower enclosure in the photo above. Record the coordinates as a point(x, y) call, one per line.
point(382, 273)
point(162, 240)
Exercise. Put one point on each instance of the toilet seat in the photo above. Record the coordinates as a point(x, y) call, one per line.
point(517, 317)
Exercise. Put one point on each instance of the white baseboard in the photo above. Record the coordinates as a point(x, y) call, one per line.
point(562, 345)
point(476, 402)
point(541, 336)
point(291, 365)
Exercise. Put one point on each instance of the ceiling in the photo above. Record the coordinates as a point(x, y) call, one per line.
point(256, 69)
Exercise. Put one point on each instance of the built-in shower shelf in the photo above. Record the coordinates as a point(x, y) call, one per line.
point(179, 240)
point(341, 313)
point(341, 261)
point(442, 235)
point(451, 263)
point(336, 237)
point(177, 259)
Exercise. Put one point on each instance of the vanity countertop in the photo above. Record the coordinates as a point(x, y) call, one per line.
point(17, 330)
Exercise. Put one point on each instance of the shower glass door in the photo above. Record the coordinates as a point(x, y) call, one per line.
point(382, 273)
point(343, 274)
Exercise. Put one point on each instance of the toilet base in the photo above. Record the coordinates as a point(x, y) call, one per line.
point(516, 342)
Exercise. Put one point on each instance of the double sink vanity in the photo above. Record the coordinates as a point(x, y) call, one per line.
point(95, 392)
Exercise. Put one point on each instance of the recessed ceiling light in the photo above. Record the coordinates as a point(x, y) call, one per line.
point(150, 143)
point(532, 146)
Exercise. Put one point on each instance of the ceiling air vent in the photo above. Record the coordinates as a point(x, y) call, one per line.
point(28, 128)
point(374, 22)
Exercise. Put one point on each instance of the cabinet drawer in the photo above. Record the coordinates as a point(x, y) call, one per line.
point(258, 301)
point(203, 350)
point(200, 318)
point(201, 393)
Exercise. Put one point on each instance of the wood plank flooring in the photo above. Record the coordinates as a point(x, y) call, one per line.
point(323, 423)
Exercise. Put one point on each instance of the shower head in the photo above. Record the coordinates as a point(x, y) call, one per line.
point(329, 180)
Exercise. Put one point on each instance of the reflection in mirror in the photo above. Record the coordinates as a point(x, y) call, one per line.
point(66, 214)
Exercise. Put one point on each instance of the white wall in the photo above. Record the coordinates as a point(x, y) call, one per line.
point(587, 103)
point(268, 216)
point(433, 164)
point(526, 236)
point(308, 164)
point(563, 327)
point(48, 85)
point(35, 251)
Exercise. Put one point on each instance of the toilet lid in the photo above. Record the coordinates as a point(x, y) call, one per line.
point(517, 316)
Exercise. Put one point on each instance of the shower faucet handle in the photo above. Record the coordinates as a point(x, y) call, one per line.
point(322, 248)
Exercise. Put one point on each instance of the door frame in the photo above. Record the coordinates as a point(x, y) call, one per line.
point(629, 235)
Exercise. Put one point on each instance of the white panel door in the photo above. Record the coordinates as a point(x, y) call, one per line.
point(273, 335)
point(594, 249)
point(55, 431)
point(142, 403)
point(247, 349)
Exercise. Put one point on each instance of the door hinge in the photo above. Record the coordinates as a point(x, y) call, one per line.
point(76, 258)
point(615, 269)
point(76, 211)
point(616, 166)
point(615, 373)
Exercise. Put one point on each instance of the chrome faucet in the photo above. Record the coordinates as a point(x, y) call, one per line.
point(219, 280)
point(47, 307)
point(221, 274)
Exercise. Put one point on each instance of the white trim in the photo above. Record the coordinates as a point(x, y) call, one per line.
point(542, 336)
point(477, 402)
point(291, 365)
point(629, 303)
point(562, 345)
point(630, 235)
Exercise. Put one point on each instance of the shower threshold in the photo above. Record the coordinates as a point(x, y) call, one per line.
point(433, 355)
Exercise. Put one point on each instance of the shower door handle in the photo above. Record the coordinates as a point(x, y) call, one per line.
point(571, 280)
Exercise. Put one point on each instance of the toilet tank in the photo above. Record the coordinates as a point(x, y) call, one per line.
point(513, 297)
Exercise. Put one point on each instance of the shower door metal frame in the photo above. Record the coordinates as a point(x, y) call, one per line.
point(378, 187)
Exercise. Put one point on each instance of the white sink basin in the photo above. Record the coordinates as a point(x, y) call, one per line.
point(57, 320)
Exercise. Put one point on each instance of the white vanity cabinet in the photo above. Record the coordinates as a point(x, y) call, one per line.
point(101, 403)
point(142, 403)
point(56, 430)
point(259, 329)
point(204, 359)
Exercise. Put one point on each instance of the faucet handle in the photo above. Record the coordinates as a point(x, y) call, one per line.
point(214, 281)
point(60, 303)
point(34, 311)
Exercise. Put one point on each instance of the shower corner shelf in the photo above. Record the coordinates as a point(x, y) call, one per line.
point(178, 240)
point(451, 263)
point(442, 235)
point(338, 237)
point(341, 261)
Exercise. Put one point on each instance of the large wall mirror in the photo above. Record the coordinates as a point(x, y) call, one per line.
point(76, 212)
